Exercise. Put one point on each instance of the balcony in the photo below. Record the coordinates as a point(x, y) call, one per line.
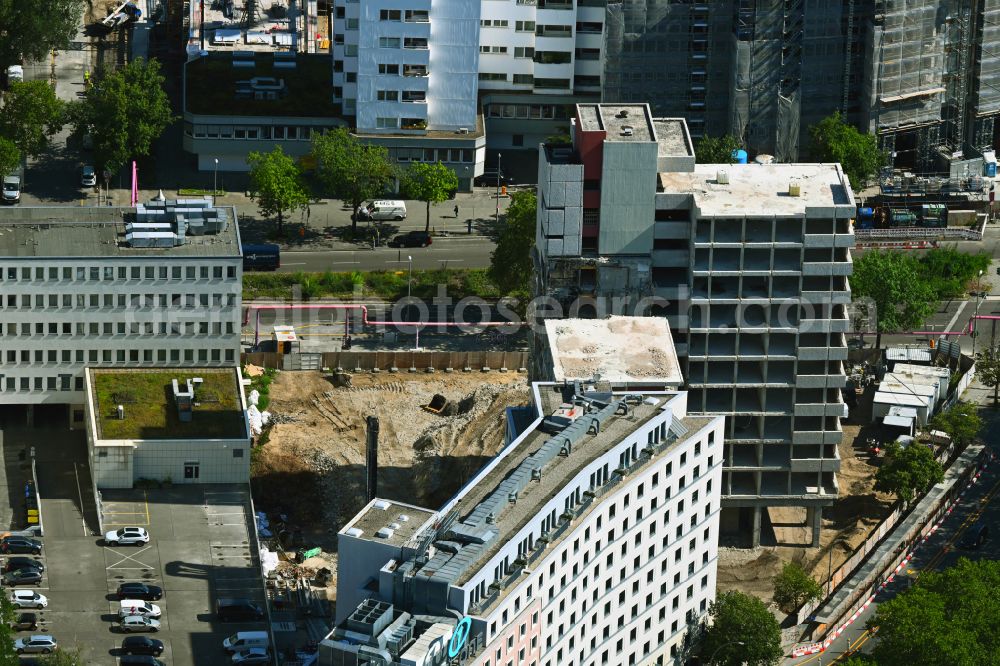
point(415, 43)
point(417, 16)
point(415, 70)
point(827, 267)
point(817, 437)
point(839, 325)
point(554, 31)
point(815, 464)
point(819, 409)
point(820, 381)
point(822, 353)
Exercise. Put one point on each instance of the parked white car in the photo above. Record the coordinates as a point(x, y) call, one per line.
point(132, 623)
point(28, 599)
point(38, 643)
point(252, 656)
point(126, 536)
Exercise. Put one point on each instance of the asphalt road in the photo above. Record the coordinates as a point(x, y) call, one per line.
point(939, 552)
point(444, 252)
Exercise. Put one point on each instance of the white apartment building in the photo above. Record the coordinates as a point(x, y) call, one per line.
point(536, 61)
point(407, 73)
point(588, 543)
point(84, 287)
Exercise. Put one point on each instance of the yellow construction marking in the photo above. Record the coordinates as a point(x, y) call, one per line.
point(145, 502)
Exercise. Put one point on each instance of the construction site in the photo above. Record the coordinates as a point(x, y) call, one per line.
point(434, 433)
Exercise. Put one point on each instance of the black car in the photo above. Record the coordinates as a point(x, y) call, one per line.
point(411, 239)
point(25, 622)
point(975, 536)
point(139, 660)
point(15, 563)
point(238, 610)
point(20, 545)
point(23, 577)
point(489, 179)
point(139, 591)
point(142, 645)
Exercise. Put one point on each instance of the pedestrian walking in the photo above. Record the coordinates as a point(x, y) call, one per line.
point(456, 212)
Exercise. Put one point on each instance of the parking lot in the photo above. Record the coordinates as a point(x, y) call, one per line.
point(199, 550)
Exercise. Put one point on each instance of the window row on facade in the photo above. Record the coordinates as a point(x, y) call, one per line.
point(39, 357)
point(90, 273)
point(118, 302)
point(253, 132)
point(108, 329)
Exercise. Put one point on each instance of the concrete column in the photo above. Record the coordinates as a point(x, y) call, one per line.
point(814, 516)
point(755, 540)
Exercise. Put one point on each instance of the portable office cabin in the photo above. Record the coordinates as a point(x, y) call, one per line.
point(883, 402)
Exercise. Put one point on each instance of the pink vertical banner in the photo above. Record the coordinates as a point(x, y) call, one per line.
point(135, 184)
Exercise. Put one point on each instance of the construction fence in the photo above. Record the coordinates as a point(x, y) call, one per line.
point(390, 360)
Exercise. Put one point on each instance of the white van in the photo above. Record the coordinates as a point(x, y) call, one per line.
point(384, 210)
point(244, 640)
point(138, 607)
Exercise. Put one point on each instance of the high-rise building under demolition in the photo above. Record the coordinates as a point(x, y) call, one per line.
point(924, 75)
point(751, 263)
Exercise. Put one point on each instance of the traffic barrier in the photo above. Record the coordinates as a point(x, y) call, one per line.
point(809, 649)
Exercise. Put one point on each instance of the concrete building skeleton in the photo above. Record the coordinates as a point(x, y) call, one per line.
point(749, 265)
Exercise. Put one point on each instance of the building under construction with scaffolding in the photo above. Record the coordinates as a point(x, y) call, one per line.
point(923, 75)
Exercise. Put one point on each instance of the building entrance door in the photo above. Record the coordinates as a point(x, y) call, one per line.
point(192, 470)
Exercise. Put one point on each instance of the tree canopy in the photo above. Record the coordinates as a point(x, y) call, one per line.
point(716, 149)
point(892, 282)
point(350, 170)
point(908, 471)
point(834, 140)
point(62, 657)
point(10, 156)
point(7, 655)
point(949, 272)
point(962, 423)
point(510, 263)
point(794, 587)
point(29, 30)
point(30, 115)
point(276, 182)
point(125, 111)
point(430, 182)
point(742, 632)
point(988, 370)
point(947, 617)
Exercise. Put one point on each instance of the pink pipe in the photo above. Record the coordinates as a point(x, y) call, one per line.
point(364, 317)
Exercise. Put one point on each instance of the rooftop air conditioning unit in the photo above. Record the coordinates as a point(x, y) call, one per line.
point(722, 177)
point(627, 130)
point(463, 130)
point(794, 189)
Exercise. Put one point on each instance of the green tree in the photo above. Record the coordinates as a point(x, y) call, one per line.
point(905, 472)
point(716, 149)
point(833, 140)
point(794, 587)
point(30, 115)
point(276, 181)
point(125, 111)
point(962, 423)
point(10, 157)
point(858, 660)
point(950, 272)
point(431, 183)
point(62, 658)
point(28, 31)
point(510, 263)
point(743, 632)
point(947, 617)
point(350, 170)
point(7, 655)
point(891, 281)
point(988, 371)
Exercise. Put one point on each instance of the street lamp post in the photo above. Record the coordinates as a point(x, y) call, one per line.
point(498, 188)
point(724, 645)
point(215, 182)
point(979, 301)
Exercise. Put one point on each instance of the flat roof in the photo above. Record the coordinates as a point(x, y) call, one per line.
point(672, 137)
point(68, 231)
point(901, 399)
point(150, 410)
point(617, 350)
point(381, 513)
point(761, 189)
point(616, 120)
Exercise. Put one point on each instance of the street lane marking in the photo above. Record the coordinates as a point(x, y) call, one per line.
point(131, 558)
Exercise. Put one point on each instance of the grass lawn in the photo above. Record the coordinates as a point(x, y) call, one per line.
point(150, 409)
point(380, 284)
